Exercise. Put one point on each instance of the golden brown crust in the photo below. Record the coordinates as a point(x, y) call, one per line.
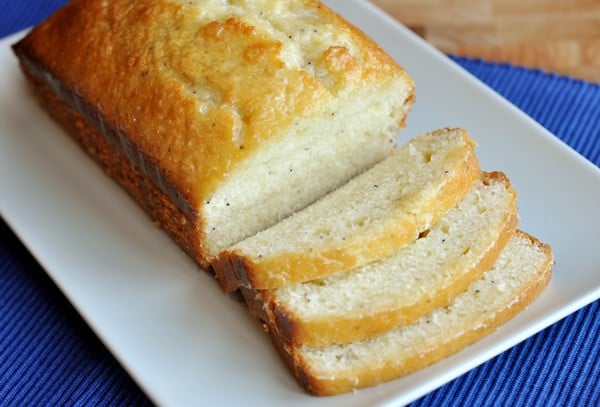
point(163, 50)
point(180, 225)
point(230, 271)
point(158, 52)
point(135, 67)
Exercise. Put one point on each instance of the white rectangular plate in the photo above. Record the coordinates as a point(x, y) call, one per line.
point(170, 326)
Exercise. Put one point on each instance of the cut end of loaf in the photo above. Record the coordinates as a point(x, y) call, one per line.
point(377, 212)
point(328, 149)
point(332, 103)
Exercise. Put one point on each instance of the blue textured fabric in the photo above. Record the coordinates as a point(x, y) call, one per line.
point(16, 15)
point(559, 366)
point(49, 356)
point(568, 108)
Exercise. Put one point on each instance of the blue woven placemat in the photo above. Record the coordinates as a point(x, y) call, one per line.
point(560, 366)
point(49, 356)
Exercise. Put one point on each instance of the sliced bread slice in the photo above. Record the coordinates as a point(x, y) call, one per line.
point(427, 274)
point(369, 217)
point(520, 274)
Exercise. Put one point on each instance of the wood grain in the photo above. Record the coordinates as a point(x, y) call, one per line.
point(560, 36)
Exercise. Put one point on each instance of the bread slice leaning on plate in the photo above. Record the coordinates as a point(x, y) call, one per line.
point(398, 289)
point(519, 275)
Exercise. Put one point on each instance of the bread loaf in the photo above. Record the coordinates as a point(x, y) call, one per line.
point(519, 275)
point(371, 216)
point(396, 290)
point(213, 115)
point(261, 136)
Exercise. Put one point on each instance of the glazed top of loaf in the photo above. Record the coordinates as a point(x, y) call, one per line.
point(198, 85)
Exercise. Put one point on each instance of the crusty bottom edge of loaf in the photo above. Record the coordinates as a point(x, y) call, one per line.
point(321, 386)
point(162, 210)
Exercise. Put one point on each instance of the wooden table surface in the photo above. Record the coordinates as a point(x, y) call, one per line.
point(561, 36)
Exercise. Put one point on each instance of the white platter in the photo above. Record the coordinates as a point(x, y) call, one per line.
point(183, 341)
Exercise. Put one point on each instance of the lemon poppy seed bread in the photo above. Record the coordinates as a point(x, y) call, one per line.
point(220, 118)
